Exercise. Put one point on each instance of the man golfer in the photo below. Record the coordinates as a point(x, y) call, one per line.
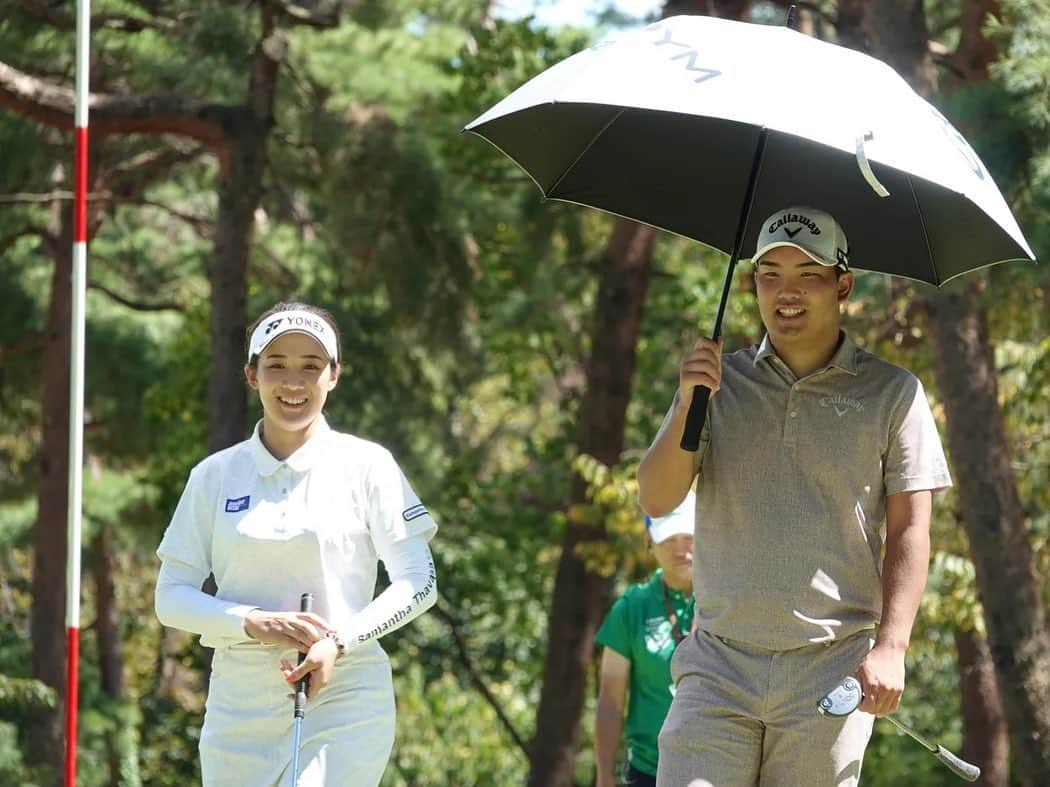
point(815, 474)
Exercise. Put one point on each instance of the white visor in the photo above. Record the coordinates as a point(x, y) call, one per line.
point(678, 522)
point(292, 322)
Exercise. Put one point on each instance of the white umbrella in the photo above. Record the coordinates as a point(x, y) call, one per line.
point(697, 124)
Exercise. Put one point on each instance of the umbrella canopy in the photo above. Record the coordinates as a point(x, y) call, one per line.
point(662, 125)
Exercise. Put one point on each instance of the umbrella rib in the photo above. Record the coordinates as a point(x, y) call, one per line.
point(925, 235)
point(583, 152)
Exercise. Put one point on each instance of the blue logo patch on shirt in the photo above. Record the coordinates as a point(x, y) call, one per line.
point(415, 512)
point(235, 504)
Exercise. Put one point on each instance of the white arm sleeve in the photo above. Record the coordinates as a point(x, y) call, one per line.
point(180, 603)
point(412, 591)
point(185, 562)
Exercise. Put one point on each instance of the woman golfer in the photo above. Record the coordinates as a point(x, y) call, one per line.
point(296, 508)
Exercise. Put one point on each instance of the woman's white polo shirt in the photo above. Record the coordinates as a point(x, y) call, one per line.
point(270, 530)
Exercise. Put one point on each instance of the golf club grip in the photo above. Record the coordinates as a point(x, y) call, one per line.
point(958, 766)
point(306, 603)
point(694, 419)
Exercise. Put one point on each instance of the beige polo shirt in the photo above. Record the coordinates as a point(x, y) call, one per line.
point(791, 497)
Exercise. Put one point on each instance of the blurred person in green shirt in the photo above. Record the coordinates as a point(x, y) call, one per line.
point(638, 636)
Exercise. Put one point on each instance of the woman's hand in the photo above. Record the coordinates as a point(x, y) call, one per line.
point(318, 664)
point(297, 630)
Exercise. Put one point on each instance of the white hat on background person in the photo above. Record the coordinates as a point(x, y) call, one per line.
point(678, 522)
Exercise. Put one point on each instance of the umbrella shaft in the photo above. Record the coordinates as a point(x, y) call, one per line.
point(741, 228)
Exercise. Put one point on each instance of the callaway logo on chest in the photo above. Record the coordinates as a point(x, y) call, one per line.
point(841, 404)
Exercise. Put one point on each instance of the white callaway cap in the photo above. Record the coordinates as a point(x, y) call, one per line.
point(813, 231)
point(292, 322)
point(678, 522)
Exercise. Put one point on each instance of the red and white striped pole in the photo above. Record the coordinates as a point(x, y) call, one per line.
point(76, 387)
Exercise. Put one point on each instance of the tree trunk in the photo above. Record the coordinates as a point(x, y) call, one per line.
point(247, 129)
point(240, 188)
point(986, 739)
point(107, 634)
point(1010, 589)
point(580, 598)
point(107, 622)
point(50, 537)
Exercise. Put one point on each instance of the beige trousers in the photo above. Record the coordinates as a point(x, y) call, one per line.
point(747, 717)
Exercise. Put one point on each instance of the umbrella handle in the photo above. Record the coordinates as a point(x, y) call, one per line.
point(694, 419)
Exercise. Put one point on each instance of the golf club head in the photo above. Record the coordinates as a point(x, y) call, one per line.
point(844, 699)
point(841, 700)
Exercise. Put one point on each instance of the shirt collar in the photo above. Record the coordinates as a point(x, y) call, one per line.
point(301, 461)
point(844, 357)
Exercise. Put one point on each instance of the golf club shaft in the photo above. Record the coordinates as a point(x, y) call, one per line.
point(306, 602)
point(297, 738)
point(957, 765)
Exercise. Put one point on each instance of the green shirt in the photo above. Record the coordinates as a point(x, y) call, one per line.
point(638, 629)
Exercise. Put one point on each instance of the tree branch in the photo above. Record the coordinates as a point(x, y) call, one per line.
point(32, 344)
point(139, 306)
point(8, 241)
point(813, 8)
point(47, 238)
point(36, 198)
point(324, 14)
point(134, 175)
point(468, 665)
point(53, 105)
point(60, 20)
point(201, 224)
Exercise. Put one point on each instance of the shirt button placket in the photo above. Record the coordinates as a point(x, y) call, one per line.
point(791, 422)
point(284, 493)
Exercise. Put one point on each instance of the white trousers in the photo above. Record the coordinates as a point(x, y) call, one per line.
point(247, 739)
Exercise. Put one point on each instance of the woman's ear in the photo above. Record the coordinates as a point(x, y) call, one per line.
point(250, 374)
point(333, 375)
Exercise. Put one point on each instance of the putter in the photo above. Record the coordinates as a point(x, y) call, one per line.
point(306, 602)
point(844, 699)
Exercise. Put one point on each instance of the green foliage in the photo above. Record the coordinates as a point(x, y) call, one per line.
point(18, 695)
point(613, 503)
point(12, 768)
point(1023, 33)
point(444, 715)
